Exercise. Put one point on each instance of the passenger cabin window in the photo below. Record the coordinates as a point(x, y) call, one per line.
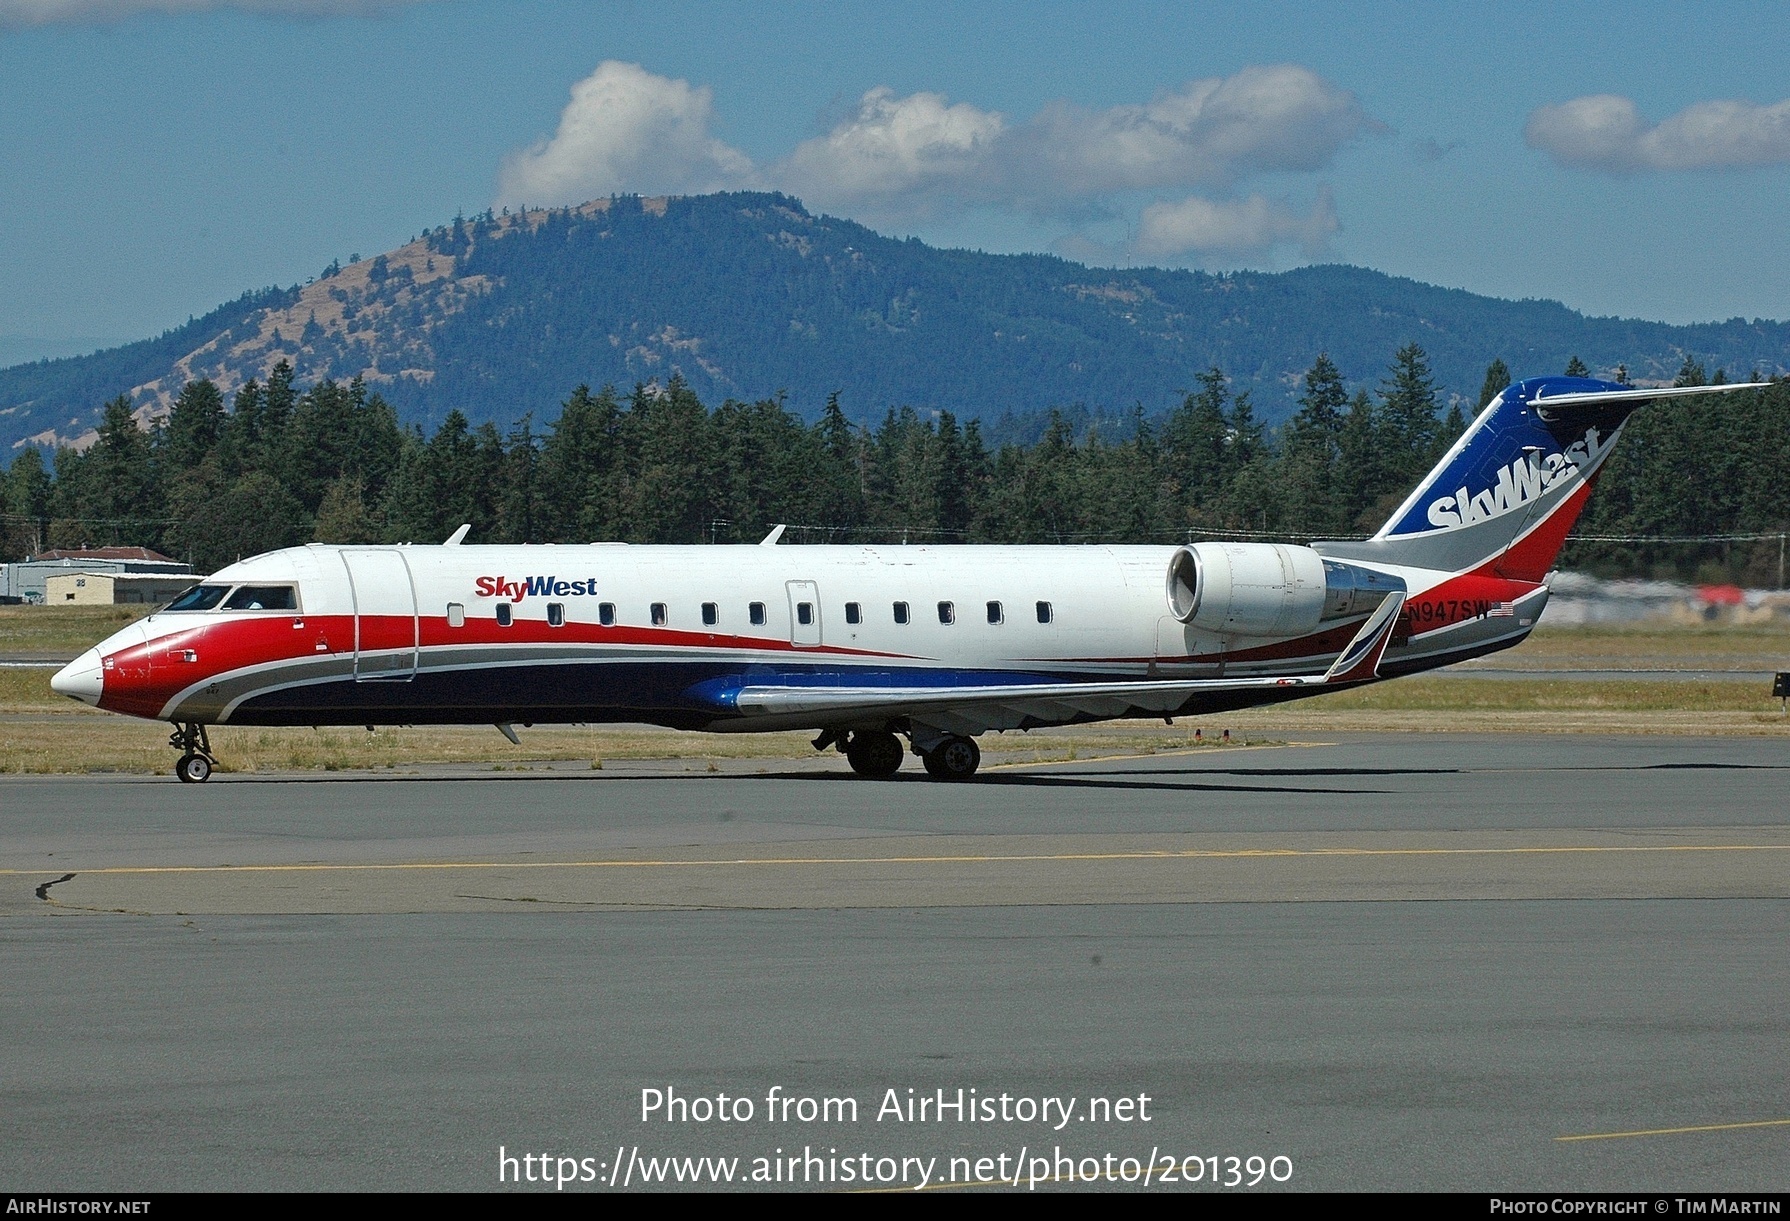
point(994, 613)
point(711, 614)
point(503, 614)
point(804, 613)
point(556, 614)
point(1043, 612)
point(456, 614)
point(854, 613)
point(755, 612)
point(263, 597)
point(901, 615)
point(660, 617)
point(606, 614)
point(947, 612)
point(199, 598)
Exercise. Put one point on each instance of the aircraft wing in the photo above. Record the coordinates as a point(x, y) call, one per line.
point(979, 708)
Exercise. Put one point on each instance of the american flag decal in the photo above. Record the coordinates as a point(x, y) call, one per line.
point(1502, 610)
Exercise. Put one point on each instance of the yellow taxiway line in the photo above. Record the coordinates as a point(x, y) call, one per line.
point(965, 859)
point(1706, 1127)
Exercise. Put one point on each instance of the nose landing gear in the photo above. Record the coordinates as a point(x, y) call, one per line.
point(195, 764)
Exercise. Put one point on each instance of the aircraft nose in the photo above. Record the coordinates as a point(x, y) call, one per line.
point(81, 678)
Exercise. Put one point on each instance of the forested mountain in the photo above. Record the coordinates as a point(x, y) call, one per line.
point(748, 296)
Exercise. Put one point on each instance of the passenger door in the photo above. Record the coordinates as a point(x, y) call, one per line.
point(804, 613)
point(386, 632)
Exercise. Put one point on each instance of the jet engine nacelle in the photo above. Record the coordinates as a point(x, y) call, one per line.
point(1268, 589)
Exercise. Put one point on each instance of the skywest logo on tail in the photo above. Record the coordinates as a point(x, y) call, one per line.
point(1521, 481)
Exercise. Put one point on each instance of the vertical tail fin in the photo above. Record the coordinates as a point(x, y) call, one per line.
point(1504, 497)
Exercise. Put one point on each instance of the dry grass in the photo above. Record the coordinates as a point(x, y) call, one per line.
point(61, 632)
point(43, 732)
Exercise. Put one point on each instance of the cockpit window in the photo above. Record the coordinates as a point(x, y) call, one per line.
point(199, 598)
point(263, 597)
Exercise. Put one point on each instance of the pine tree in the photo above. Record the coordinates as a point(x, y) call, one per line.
point(1243, 432)
point(108, 495)
point(665, 453)
point(1576, 368)
point(1497, 377)
point(277, 404)
point(1312, 448)
point(242, 431)
point(195, 424)
point(26, 502)
point(840, 481)
point(578, 470)
point(1362, 477)
point(1408, 414)
point(519, 515)
point(1453, 425)
point(1196, 439)
point(344, 517)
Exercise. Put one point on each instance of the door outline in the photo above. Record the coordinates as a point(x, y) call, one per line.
point(804, 635)
point(396, 674)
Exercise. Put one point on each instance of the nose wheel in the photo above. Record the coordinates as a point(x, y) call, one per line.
point(195, 764)
point(193, 769)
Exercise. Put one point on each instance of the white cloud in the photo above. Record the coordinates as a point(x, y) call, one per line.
point(911, 156)
point(626, 130)
point(893, 151)
point(1606, 132)
point(1210, 132)
point(1225, 228)
point(19, 13)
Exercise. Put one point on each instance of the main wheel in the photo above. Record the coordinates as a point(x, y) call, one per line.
point(874, 753)
point(954, 759)
point(193, 769)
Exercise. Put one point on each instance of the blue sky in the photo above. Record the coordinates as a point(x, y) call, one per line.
point(160, 156)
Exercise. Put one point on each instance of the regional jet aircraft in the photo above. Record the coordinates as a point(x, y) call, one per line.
point(870, 645)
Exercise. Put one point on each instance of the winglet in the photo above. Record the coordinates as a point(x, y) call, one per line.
point(458, 536)
point(1361, 660)
point(770, 540)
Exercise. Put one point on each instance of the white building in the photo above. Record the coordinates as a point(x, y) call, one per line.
point(25, 580)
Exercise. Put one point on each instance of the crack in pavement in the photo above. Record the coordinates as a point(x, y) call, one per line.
point(43, 892)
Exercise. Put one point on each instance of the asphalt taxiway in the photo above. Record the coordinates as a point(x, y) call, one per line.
point(1416, 961)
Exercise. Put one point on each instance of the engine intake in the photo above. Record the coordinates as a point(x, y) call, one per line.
point(1268, 589)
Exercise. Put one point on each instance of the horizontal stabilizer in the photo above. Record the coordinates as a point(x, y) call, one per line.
point(1594, 398)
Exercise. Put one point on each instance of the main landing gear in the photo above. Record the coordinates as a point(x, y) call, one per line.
point(952, 758)
point(876, 753)
point(195, 764)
